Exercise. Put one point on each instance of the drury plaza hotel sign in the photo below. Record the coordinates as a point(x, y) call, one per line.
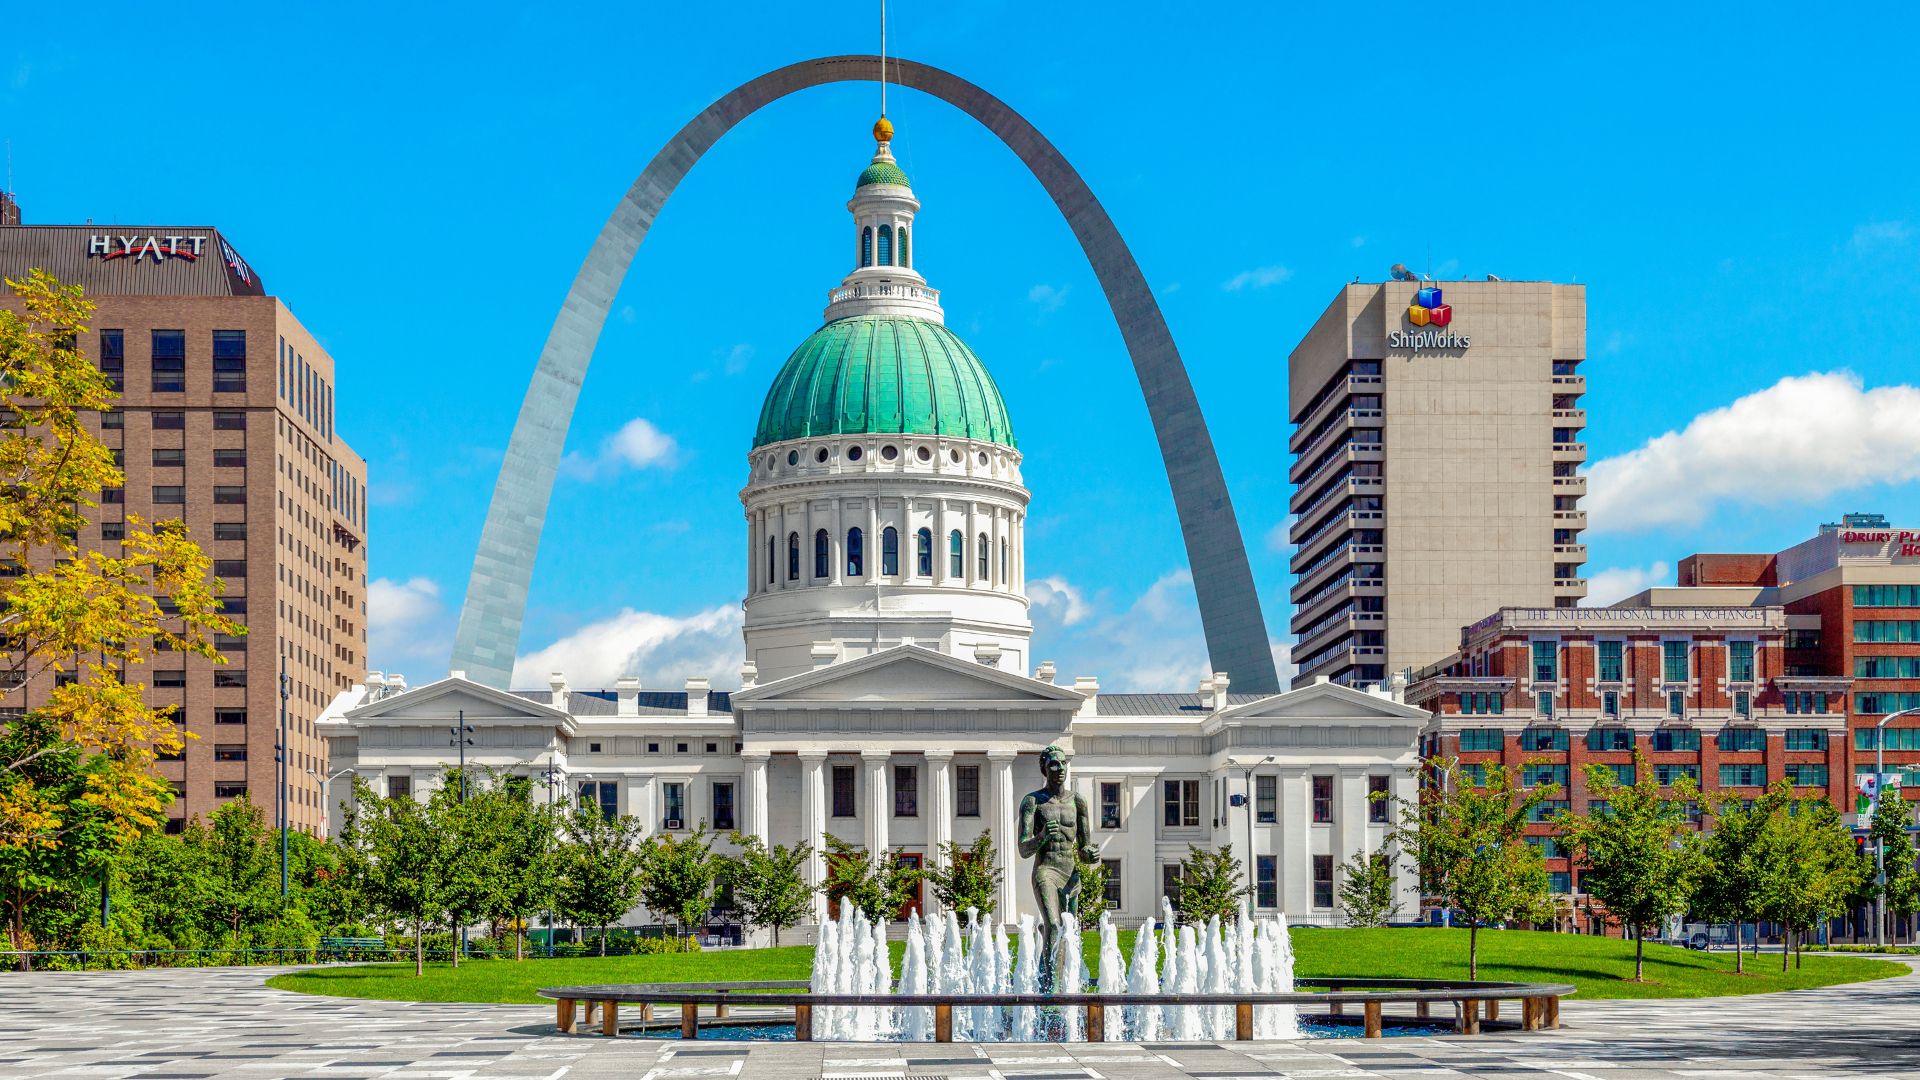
point(1894, 543)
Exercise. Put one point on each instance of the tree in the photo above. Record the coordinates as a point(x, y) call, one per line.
point(1469, 841)
point(1816, 871)
point(677, 877)
point(470, 870)
point(241, 866)
point(400, 852)
point(86, 616)
point(55, 773)
point(969, 877)
point(1211, 883)
point(878, 887)
point(1738, 868)
point(769, 884)
point(1640, 856)
point(1367, 886)
point(599, 868)
point(521, 852)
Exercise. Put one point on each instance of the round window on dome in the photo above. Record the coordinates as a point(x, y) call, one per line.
point(793, 457)
point(889, 452)
point(983, 457)
point(953, 456)
point(923, 454)
point(769, 462)
point(853, 453)
point(820, 455)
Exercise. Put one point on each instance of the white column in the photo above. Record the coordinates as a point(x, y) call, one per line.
point(873, 546)
point(939, 774)
point(813, 821)
point(1296, 858)
point(1408, 884)
point(753, 553)
point(939, 527)
point(1006, 832)
point(879, 806)
point(837, 544)
point(1349, 818)
point(640, 802)
point(780, 547)
point(757, 819)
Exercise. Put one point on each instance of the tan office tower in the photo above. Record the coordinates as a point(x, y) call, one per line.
point(226, 421)
point(1437, 448)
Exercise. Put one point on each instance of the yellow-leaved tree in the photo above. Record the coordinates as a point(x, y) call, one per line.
point(78, 767)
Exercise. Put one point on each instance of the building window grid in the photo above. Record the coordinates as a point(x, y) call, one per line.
point(1266, 881)
point(966, 788)
point(1266, 799)
point(906, 791)
point(1322, 799)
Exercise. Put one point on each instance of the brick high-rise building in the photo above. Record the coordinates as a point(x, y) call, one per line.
point(1437, 448)
point(226, 421)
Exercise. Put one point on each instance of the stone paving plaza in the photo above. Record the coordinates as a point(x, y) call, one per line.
point(184, 1024)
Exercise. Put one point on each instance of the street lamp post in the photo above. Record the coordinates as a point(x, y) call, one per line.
point(461, 730)
point(1880, 845)
point(1246, 776)
point(280, 762)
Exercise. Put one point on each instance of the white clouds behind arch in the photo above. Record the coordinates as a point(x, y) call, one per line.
point(1805, 438)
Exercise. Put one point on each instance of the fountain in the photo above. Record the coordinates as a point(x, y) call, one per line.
point(1245, 955)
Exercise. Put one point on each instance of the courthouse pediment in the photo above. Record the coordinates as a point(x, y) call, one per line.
point(442, 701)
point(1325, 702)
point(907, 675)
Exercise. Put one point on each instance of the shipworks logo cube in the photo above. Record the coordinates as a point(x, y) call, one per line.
point(1430, 311)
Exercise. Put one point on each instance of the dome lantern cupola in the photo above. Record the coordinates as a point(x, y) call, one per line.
point(884, 281)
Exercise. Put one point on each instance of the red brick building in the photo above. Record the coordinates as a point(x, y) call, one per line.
point(1703, 692)
point(1852, 597)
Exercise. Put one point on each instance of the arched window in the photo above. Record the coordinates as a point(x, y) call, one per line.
point(1003, 562)
point(770, 550)
point(956, 554)
point(866, 246)
point(856, 553)
point(889, 551)
point(822, 554)
point(985, 558)
point(925, 553)
point(904, 261)
point(886, 245)
point(793, 556)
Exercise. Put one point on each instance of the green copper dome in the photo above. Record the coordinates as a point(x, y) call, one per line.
point(882, 172)
point(883, 374)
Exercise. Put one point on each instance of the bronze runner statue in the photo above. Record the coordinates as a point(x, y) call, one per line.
point(1056, 832)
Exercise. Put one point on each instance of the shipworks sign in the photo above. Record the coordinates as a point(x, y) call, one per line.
point(1430, 315)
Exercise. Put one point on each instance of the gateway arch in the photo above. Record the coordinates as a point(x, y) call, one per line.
point(490, 619)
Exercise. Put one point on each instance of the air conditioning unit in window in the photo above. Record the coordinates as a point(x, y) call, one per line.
point(673, 823)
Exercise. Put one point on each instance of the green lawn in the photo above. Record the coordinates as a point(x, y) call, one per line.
point(1598, 966)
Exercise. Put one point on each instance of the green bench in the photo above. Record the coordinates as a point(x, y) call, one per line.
point(337, 947)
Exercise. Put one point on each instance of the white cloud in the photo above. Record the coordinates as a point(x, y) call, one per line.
point(1257, 278)
point(1805, 438)
point(1280, 538)
point(1616, 583)
point(1875, 235)
point(407, 625)
point(1359, 241)
point(637, 445)
point(663, 650)
point(1048, 297)
point(1060, 598)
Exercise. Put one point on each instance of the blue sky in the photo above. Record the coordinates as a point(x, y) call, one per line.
point(1734, 186)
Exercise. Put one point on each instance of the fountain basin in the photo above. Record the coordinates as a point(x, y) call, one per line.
point(1462, 1005)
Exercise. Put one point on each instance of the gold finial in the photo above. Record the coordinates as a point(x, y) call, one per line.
point(882, 130)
